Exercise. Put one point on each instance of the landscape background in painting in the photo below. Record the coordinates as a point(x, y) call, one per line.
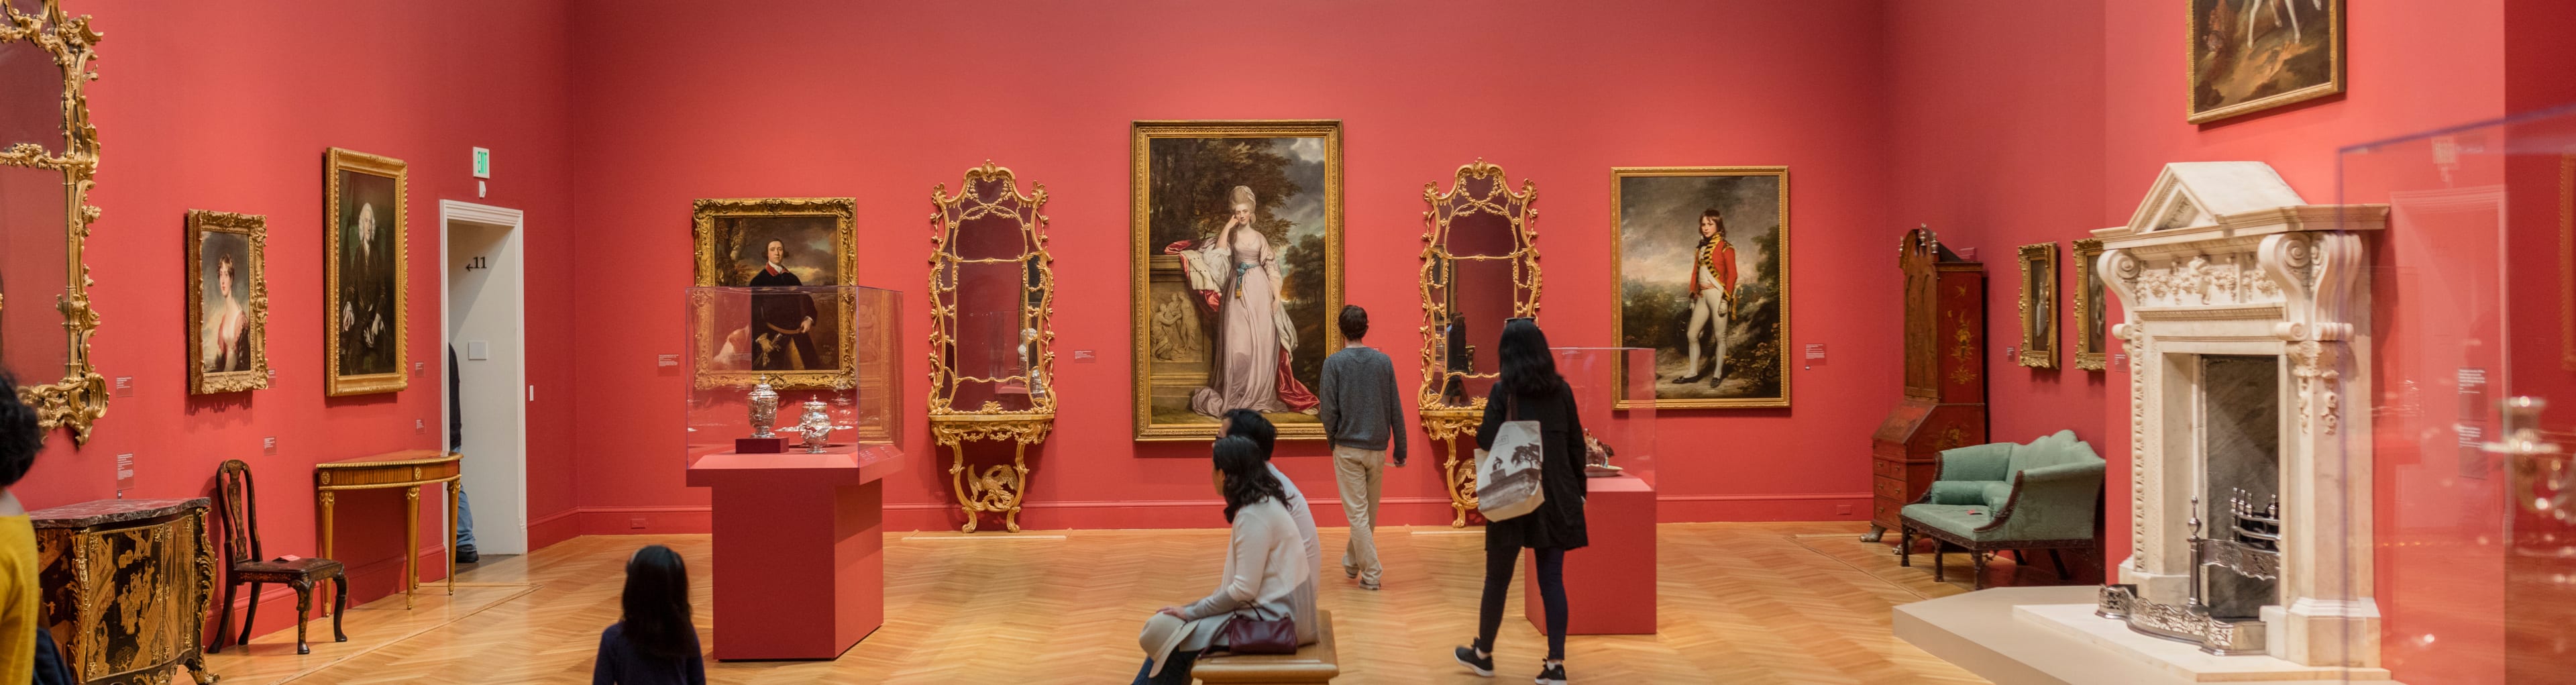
point(210, 298)
point(1658, 232)
point(1189, 180)
point(810, 253)
point(2232, 69)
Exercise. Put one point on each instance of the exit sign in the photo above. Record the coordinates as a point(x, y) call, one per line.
point(482, 163)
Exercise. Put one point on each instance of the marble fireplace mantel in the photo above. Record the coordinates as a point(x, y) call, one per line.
point(2223, 258)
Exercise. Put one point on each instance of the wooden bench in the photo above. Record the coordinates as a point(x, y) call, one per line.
point(1313, 663)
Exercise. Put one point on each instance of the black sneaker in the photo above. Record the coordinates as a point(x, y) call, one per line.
point(465, 554)
point(1551, 675)
point(1482, 665)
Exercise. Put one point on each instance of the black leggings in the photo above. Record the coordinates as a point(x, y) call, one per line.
point(1498, 586)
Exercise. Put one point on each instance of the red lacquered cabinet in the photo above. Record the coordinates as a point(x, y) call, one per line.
point(1945, 376)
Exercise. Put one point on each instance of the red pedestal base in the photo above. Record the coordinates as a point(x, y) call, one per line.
point(799, 550)
point(759, 445)
point(1609, 584)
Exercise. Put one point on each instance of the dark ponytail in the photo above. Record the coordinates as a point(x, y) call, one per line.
point(1247, 476)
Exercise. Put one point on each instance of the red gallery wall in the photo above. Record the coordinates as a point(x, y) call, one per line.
point(881, 102)
point(206, 106)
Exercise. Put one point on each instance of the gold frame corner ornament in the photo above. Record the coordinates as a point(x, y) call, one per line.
point(2091, 354)
point(1618, 323)
point(998, 489)
point(1142, 132)
point(77, 399)
point(334, 161)
point(254, 229)
point(709, 259)
point(2192, 25)
point(2038, 351)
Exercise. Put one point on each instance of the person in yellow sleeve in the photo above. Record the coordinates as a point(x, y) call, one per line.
point(19, 440)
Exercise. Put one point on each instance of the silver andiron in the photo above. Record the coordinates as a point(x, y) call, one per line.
point(817, 426)
point(764, 409)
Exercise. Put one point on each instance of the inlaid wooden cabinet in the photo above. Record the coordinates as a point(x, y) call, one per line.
point(125, 584)
point(1945, 376)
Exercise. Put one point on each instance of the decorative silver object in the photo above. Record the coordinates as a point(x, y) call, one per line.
point(817, 426)
point(764, 409)
point(2544, 483)
point(2253, 553)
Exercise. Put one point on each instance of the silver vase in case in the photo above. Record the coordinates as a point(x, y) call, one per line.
point(764, 410)
point(817, 426)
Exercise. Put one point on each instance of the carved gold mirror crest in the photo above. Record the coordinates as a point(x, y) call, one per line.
point(46, 169)
point(992, 292)
point(2039, 306)
point(2092, 351)
point(1479, 268)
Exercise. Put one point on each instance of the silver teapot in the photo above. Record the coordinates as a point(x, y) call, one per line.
point(817, 426)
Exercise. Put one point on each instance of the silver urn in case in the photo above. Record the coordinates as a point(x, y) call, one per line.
point(764, 409)
point(817, 425)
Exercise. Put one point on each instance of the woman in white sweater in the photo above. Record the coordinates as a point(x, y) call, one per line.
point(1265, 563)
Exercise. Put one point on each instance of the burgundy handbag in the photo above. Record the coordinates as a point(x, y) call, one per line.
point(1246, 634)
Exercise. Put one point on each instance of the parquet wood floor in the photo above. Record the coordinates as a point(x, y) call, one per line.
point(1741, 603)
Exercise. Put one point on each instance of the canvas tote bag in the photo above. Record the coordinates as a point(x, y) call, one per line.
point(1507, 477)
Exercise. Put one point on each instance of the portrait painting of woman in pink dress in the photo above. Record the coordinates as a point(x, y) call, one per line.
point(1237, 237)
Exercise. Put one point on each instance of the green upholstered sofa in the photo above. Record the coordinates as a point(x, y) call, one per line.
point(2000, 496)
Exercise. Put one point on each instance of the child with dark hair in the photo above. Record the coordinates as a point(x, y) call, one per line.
point(19, 441)
point(654, 643)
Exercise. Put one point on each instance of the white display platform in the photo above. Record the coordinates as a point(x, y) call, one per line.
point(1988, 633)
point(2179, 659)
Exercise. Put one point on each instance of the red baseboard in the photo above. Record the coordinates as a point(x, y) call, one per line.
point(1113, 515)
point(553, 528)
point(367, 583)
point(1821, 506)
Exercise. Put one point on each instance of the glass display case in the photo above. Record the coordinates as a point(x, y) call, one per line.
point(1626, 434)
point(2470, 409)
point(742, 343)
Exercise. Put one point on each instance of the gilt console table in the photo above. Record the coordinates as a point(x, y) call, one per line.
point(409, 470)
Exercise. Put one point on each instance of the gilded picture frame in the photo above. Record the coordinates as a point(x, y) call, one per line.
point(227, 333)
point(2039, 313)
point(2092, 325)
point(1656, 247)
point(818, 237)
point(1186, 178)
point(365, 320)
point(76, 398)
point(2246, 56)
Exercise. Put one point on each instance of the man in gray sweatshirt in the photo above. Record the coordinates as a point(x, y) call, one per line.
point(1360, 414)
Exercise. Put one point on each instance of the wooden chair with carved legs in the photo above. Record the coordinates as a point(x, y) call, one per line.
point(245, 564)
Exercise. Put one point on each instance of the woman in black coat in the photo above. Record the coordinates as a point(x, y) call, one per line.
point(1531, 390)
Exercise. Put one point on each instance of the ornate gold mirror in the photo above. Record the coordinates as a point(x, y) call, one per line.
point(1480, 268)
point(45, 171)
point(992, 347)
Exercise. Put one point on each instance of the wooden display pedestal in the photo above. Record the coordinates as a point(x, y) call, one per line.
point(1610, 584)
point(799, 549)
